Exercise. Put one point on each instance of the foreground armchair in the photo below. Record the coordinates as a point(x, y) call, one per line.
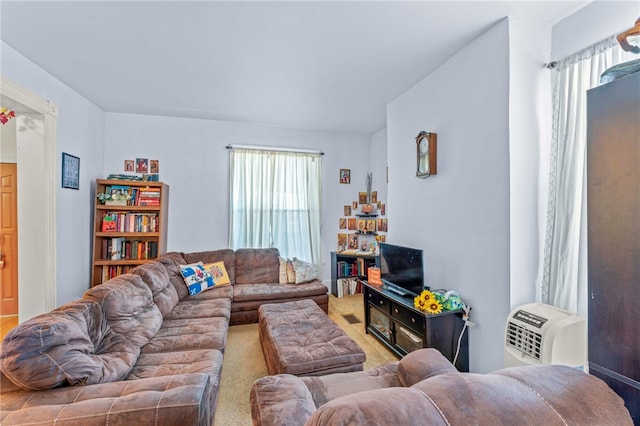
point(425, 389)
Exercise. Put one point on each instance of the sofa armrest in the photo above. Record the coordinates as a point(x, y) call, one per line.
point(280, 399)
point(167, 400)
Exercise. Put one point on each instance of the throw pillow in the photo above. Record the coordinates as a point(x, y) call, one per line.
point(218, 273)
point(196, 277)
point(305, 271)
point(282, 270)
point(291, 273)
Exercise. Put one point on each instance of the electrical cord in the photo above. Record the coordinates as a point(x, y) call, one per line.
point(467, 323)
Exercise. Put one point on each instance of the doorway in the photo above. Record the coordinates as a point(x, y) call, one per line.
point(36, 193)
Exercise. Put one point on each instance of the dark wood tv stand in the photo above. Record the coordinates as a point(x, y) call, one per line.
point(394, 321)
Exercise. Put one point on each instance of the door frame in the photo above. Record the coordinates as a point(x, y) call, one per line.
point(47, 198)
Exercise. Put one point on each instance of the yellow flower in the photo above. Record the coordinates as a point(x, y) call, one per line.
point(425, 300)
point(434, 307)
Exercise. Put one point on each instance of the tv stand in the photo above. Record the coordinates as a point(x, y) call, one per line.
point(393, 320)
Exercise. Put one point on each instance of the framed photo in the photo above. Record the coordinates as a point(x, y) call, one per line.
point(362, 197)
point(374, 197)
point(351, 223)
point(345, 176)
point(362, 225)
point(354, 205)
point(129, 166)
point(371, 225)
point(154, 166)
point(142, 165)
point(347, 210)
point(383, 209)
point(70, 171)
point(342, 242)
point(353, 241)
point(343, 223)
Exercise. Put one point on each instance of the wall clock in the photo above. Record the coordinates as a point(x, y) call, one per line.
point(426, 154)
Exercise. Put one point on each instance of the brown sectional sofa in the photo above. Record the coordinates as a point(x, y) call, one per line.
point(424, 388)
point(138, 349)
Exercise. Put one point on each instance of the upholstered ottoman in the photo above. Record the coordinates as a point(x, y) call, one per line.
point(299, 338)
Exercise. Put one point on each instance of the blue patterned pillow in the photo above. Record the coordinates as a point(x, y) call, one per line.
point(196, 277)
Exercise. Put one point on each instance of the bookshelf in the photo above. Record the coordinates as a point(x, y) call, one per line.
point(128, 233)
point(347, 270)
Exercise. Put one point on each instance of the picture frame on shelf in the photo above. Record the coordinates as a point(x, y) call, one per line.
point(142, 165)
point(129, 166)
point(353, 241)
point(154, 166)
point(70, 171)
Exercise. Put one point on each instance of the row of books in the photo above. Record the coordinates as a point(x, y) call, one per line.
point(113, 271)
point(119, 248)
point(356, 268)
point(130, 222)
point(347, 286)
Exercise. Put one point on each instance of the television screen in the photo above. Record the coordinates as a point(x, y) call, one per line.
point(401, 269)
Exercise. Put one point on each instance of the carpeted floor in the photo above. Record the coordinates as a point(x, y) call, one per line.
point(244, 362)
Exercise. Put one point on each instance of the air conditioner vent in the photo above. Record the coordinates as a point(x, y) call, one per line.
point(524, 340)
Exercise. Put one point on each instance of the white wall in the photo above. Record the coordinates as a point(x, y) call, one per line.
point(378, 161)
point(8, 146)
point(529, 141)
point(591, 24)
point(460, 217)
point(80, 129)
point(195, 164)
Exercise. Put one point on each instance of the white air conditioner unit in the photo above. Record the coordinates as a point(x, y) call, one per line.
point(542, 334)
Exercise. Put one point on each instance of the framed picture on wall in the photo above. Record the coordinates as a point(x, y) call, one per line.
point(129, 165)
point(142, 165)
point(345, 176)
point(70, 171)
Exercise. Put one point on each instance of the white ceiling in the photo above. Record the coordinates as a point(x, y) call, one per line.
point(317, 65)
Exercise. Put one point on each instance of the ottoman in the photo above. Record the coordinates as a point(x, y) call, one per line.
point(299, 338)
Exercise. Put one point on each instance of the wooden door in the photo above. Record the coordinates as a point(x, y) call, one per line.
point(8, 239)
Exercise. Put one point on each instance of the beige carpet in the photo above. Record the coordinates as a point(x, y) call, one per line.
point(244, 363)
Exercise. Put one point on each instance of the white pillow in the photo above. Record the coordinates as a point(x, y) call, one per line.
point(305, 271)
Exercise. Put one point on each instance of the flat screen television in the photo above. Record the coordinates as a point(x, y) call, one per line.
point(401, 269)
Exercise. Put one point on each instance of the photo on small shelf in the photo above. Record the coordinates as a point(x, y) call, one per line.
point(371, 225)
point(374, 197)
point(379, 204)
point(70, 171)
point(343, 223)
point(354, 205)
point(342, 241)
point(345, 176)
point(383, 225)
point(382, 238)
point(142, 165)
point(362, 197)
point(129, 166)
point(351, 224)
point(353, 241)
point(347, 210)
point(154, 166)
point(362, 225)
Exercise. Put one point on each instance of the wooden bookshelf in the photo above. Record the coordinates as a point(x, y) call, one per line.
point(140, 230)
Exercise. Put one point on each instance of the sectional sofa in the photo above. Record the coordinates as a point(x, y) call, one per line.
point(138, 349)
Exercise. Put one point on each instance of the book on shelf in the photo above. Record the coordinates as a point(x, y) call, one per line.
point(348, 286)
point(116, 248)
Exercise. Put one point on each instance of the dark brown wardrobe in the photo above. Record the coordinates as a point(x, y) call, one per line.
point(613, 181)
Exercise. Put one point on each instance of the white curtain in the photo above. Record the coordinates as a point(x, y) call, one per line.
point(564, 280)
point(275, 201)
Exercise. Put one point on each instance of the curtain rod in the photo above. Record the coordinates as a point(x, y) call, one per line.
point(274, 148)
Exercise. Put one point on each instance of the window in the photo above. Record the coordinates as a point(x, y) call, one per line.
point(275, 201)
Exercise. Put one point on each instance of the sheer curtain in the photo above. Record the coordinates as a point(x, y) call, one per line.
point(564, 280)
point(275, 201)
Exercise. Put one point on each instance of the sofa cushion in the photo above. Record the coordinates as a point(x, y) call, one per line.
point(282, 270)
point(280, 400)
point(155, 275)
point(205, 333)
point(207, 361)
point(259, 292)
point(305, 271)
point(196, 277)
point(62, 348)
point(257, 266)
point(172, 262)
point(331, 386)
point(228, 256)
point(422, 364)
point(191, 309)
point(390, 406)
point(218, 273)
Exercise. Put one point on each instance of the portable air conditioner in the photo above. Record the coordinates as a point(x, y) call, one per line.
point(542, 334)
